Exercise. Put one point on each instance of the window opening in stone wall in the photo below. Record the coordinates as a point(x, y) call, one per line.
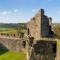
point(31, 41)
point(24, 44)
point(33, 18)
point(28, 31)
point(54, 48)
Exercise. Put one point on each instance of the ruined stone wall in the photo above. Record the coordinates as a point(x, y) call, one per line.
point(11, 44)
point(30, 27)
point(34, 26)
point(58, 49)
point(44, 26)
point(38, 25)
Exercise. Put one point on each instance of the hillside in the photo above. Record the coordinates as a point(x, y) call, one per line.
point(12, 27)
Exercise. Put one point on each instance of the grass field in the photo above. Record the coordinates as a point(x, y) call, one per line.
point(10, 30)
point(10, 55)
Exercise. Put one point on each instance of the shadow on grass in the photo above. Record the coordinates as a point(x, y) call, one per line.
point(3, 49)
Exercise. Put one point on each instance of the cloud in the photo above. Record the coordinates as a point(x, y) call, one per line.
point(15, 10)
point(58, 12)
point(4, 13)
point(33, 10)
point(9, 12)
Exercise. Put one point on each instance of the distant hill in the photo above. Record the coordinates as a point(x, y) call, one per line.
point(55, 24)
point(12, 25)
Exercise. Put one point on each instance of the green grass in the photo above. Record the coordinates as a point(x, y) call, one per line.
point(8, 30)
point(11, 30)
point(10, 55)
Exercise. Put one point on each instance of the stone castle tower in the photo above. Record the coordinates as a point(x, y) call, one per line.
point(39, 26)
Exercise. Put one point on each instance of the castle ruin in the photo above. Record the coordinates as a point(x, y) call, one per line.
point(40, 25)
point(39, 28)
point(39, 39)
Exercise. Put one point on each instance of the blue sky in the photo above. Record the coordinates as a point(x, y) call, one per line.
point(15, 11)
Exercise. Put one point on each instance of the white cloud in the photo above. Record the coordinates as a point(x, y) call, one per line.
point(15, 10)
point(9, 12)
point(33, 10)
point(4, 13)
point(58, 12)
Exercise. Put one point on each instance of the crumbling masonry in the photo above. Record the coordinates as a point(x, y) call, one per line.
point(42, 47)
point(40, 25)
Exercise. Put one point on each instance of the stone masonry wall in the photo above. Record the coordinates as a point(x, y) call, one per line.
point(10, 44)
point(38, 26)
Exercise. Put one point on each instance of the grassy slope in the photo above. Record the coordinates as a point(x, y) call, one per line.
point(10, 30)
point(13, 56)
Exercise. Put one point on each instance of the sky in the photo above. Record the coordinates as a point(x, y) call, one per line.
point(20, 11)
